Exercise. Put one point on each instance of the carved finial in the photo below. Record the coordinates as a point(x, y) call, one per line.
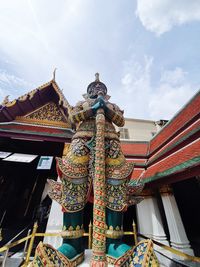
point(54, 74)
point(97, 77)
point(6, 100)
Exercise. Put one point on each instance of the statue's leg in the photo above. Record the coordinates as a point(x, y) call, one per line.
point(72, 234)
point(114, 234)
point(70, 254)
point(72, 195)
point(116, 200)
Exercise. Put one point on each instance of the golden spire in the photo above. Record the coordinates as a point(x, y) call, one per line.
point(97, 77)
point(54, 74)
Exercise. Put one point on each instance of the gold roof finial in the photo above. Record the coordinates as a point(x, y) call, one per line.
point(97, 77)
point(54, 74)
point(5, 101)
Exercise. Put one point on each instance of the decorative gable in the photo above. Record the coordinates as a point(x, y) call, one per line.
point(49, 114)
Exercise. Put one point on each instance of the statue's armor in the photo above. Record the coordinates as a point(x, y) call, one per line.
point(76, 169)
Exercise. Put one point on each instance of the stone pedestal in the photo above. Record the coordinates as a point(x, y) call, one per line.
point(178, 238)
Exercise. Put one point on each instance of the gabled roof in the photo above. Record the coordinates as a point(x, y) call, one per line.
point(40, 114)
point(35, 99)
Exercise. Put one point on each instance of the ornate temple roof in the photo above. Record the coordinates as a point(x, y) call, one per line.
point(41, 112)
point(33, 100)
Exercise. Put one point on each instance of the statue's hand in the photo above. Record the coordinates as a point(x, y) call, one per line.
point(99, 104)
point(95, 107)
point(102, 102)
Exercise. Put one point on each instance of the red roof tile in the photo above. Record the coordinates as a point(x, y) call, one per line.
point(178, 122)
point(136, 173)
point(181, 156)
point(135, 148)
point(176, 139)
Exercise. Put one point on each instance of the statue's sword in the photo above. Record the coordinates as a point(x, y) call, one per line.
point(99, 209)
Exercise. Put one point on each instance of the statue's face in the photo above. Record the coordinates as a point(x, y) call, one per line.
point(97, 90)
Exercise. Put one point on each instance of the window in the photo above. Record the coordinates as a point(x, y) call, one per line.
point(124, 133)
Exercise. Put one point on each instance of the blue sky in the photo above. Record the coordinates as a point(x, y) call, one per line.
point(146, 51)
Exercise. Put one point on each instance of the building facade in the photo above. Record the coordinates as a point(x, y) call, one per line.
point(138, 130)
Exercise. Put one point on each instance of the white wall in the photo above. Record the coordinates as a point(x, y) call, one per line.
point(140, 130)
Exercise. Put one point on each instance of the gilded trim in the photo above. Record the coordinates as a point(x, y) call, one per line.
point(28, 95)
point(10, 104)
point(43, 122)
point(114, 234)
point(48, 114)
point(72, 234)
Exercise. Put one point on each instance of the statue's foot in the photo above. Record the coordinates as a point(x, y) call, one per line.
point(117, 250)
point(46, 255)
point(68, 251)
point(140, 255)
point(71, 247)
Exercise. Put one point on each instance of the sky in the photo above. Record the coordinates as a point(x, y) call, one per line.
point(146, 51)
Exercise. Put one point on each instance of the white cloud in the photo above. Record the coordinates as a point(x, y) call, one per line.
point(10, 79)
point(127, 79)
point(143, 100)
point(40, 38)
point(168, 99)
point(77, 37)
point(9, 83)
point(80, 38)
point(175, 77)
point(136, 86)
point(172, 92)
point(160, 16)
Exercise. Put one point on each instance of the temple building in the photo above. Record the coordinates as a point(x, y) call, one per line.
point(35, 129)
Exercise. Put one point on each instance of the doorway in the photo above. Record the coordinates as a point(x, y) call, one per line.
point(22, 184)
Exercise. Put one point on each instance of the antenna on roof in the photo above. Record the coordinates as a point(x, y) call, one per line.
point(54, 74)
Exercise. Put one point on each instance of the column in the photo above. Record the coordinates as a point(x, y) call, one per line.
point(178, 237)
point(54, 225)
point(55, 221)
point(150, 224)
point(149, 218)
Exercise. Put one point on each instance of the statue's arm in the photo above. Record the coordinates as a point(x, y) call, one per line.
point(78, 113)
point(114, 113)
